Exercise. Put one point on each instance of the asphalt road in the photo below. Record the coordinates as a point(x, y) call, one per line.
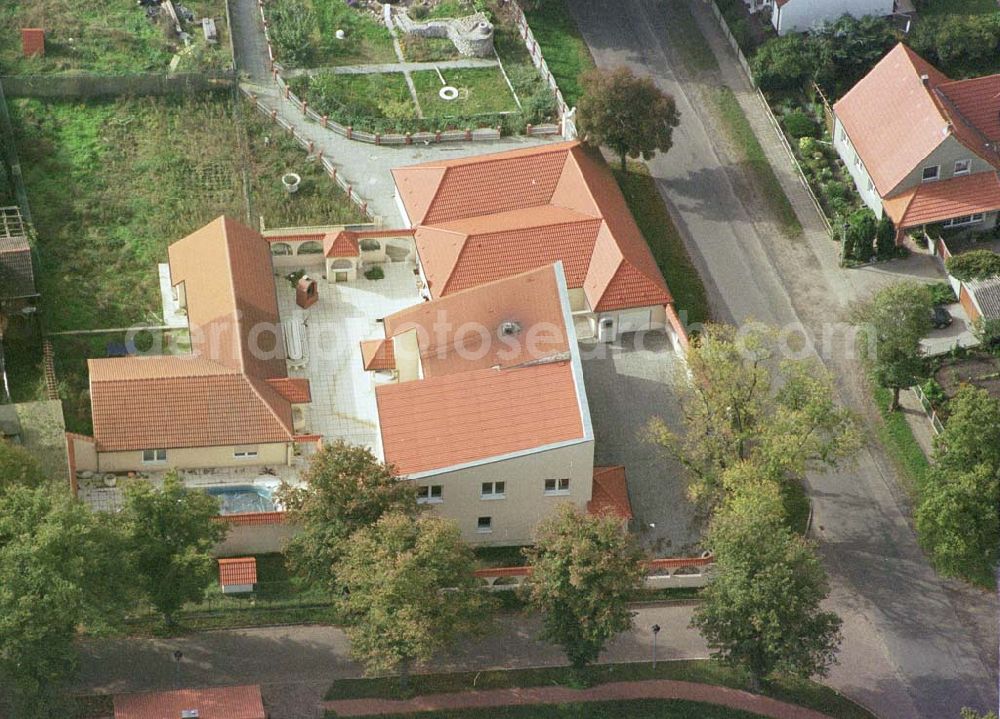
point(914, 645)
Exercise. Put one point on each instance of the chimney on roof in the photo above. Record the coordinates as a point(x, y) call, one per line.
point(926, 79)
point(510, 328)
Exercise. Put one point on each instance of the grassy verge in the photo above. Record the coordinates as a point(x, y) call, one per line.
point(564, 49)
point(635, 709)
point(752, 156)
point(107, 37)
point(897, 438)
point(804, 693)
point(665, 242)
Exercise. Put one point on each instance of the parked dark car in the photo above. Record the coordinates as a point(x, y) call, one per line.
point(941, 318)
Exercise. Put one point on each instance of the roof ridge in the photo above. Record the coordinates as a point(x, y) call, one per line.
point(252, 381)
point(232, 289)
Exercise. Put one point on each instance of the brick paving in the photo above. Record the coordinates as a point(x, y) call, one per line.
point(615, 691)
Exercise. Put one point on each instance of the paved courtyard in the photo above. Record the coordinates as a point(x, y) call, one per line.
point(629, 382)
point(343, 398)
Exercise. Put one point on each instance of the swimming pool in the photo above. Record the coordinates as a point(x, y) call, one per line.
point(243, 498)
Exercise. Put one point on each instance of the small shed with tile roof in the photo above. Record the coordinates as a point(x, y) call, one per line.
point(237, 575)
point(240, 702)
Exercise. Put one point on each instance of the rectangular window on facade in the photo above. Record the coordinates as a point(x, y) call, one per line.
point(484, 524)
point(492, 490)
point(557, 486)
point(245, 452)
point(963, 167)
point(871, 185)
point(152, 456)
point(966, 220)
point(931, 173)
point(430, 494)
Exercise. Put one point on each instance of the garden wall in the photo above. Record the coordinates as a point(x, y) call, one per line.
point(56, 87)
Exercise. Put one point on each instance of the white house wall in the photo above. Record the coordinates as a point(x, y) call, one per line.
point(802, 15)
point(862, 181)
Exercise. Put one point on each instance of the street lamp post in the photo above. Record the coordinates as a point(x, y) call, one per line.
point(656, 630)
point(178, 655)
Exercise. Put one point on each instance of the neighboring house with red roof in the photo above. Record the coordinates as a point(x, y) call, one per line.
point(921, 148)
point(243, 702)
point(487, 217)
point(485, 401)
point(227, 403)
point(801, 15)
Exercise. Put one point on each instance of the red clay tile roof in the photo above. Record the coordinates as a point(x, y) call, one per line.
point(294, 389)
point(219, 394)
point(212, 703)
point(610, 493)
point(932, 202)
point(472, 403)
point(488, 217)
point(341, 244)
point(895, 120)
point(237, 570)
point(449, 330)
point(977, 100)
point(378, 355)
point(453, 419)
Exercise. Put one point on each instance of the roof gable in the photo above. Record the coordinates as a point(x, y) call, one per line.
point(891, 118)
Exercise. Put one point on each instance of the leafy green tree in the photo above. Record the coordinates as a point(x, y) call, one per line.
point(784, 63)
point(629, 114)
point(344, 489)
point(171, 533)
point(959, 45)
point(60, 567)
point(847, 49)
point(968, 713)
point(893, 322)
point(957, 517)
point(17, 467)
point(410, 591)
point(744, 403)
point(761, 612)
point(585, 569)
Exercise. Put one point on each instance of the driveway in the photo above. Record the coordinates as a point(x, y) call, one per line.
point(915, 645)
point(629, 382)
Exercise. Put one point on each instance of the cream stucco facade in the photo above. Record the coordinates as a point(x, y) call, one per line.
point(524, 501)
point(194, 458)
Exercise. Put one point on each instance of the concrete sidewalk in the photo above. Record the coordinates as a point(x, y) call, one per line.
point(614, 691)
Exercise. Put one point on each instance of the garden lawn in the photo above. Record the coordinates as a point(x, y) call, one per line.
point(106, 37)
point(564, 49)
point(665, 242)
point(351, 99)
point(366, 42)
point(480, 91)
point(794, 691)
point(637, 709)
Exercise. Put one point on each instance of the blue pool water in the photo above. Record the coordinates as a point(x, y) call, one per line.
point(242, 498)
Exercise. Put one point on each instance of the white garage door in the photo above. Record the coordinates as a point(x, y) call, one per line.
point(633, 321)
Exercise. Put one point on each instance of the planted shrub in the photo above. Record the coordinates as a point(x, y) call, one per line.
point(885, 239)
point(943, 294)
point(987, 331)
point(375, 273)
point(974, 265)
point(292, 22)
point(807, 146)
point(799, 124)
point(935, 394)
point(861, 229)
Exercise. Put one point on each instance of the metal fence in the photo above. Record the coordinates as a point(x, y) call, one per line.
point(929, 410)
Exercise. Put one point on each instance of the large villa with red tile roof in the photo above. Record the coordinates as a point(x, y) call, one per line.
point(460, 365)
point(922, 149)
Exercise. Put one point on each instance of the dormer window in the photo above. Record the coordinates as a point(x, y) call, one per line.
point(931, 173)
point(963, 167)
